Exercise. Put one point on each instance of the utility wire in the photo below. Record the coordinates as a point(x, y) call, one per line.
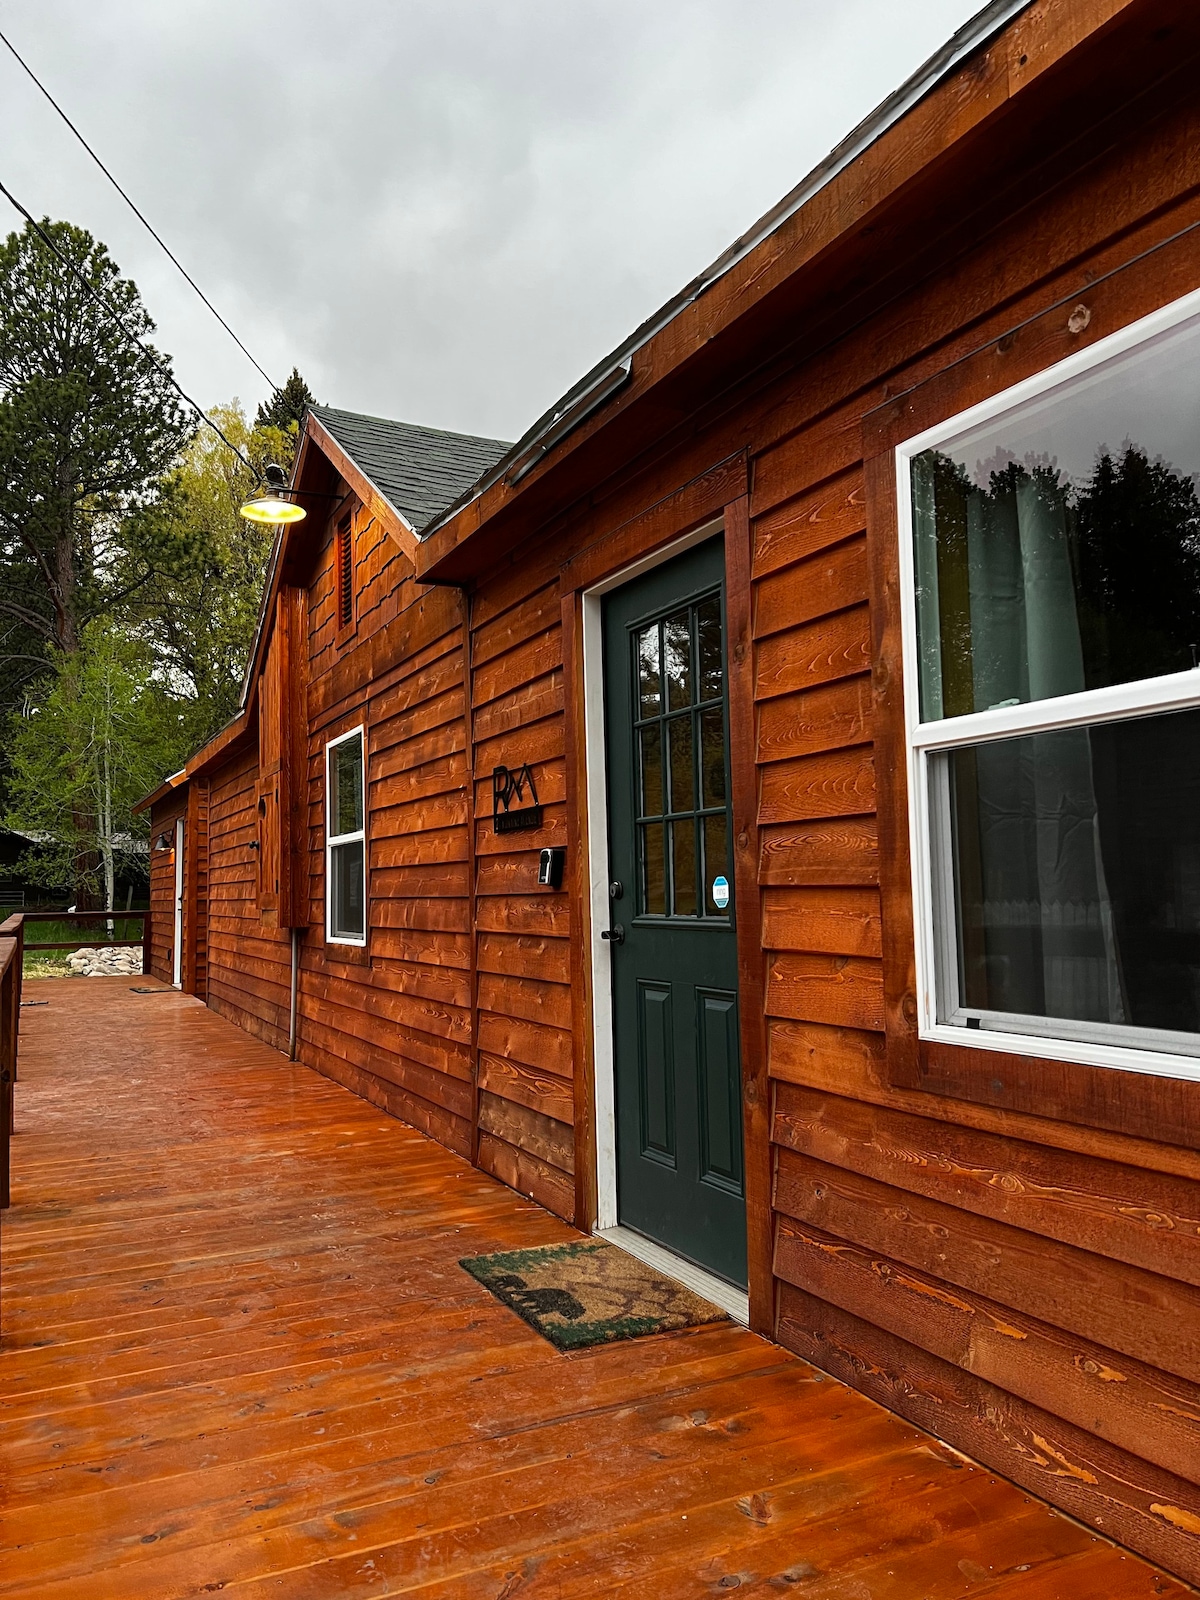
point(24, 65)
point(130, 336)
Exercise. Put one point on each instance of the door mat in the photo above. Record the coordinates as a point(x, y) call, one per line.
point(588, 1293)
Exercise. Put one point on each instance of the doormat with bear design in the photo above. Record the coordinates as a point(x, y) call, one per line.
point(588, 1293)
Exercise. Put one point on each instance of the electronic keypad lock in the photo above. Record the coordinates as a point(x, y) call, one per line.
point(550, 867)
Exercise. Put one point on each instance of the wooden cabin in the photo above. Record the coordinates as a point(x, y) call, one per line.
point(755, 814)
point(353, 656)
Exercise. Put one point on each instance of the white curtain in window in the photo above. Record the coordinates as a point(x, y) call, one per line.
point(1046, 914)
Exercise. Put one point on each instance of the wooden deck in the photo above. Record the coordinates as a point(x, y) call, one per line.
point(239, 1356)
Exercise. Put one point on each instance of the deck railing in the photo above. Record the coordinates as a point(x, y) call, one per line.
point(13, 946)
point(84, 918)
point(12, 942)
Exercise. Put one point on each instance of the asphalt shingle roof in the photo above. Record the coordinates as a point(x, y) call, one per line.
point(419, 470)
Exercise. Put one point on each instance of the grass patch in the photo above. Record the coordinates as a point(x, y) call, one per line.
point(53, 963)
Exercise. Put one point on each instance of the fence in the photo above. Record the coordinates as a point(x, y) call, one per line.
point(84, 918)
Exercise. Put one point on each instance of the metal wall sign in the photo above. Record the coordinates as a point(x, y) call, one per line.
point(515, 802)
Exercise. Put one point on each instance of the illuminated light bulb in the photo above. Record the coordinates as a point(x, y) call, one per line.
point(271, 506)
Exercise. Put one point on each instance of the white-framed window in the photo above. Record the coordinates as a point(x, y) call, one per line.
point(1050, 594)
point(345, 839)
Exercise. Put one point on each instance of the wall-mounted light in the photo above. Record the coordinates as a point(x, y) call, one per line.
point(271, 505)
point(163, 842)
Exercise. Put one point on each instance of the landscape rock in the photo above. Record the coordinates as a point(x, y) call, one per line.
point(102, 961)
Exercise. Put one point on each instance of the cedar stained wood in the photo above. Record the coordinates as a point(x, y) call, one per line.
point(818, 757)
point(623, 1472)
point(394, 1022)
point(522, 932)
point(805, 435)
point(162, 884)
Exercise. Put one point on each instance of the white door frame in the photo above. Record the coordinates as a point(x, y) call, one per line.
point(596, 768)
point(177, 951)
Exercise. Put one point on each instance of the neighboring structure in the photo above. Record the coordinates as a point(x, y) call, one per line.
point(16, 889)
point(842, 632)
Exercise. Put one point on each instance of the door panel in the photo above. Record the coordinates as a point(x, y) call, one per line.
point(720, 1101)
point(674, 969)
point(657, 1073)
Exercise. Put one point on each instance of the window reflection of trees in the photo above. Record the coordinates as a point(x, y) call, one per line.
point(1114, 562)
point(1074, 848)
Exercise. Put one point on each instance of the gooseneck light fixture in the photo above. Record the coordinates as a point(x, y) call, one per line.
point(272, 505)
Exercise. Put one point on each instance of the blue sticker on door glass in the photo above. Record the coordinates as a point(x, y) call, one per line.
point(720, 893)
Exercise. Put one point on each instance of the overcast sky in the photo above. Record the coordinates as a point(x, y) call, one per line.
point(443, 211)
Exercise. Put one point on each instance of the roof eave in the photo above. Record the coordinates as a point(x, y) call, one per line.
point(758, 261)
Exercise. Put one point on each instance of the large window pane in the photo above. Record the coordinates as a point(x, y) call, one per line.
point(683, 868)
point(712, 757)
point(347, 764)
point(716, 863)
point(683, 766)
point(709, 650)
point(649, 678)
point(347, 918)
point(650, 740)
point(677, 660)
point(1076, 875)
point(654, 874)
point(1057, 547)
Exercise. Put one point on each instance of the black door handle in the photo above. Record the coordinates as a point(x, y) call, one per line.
point(615, 934)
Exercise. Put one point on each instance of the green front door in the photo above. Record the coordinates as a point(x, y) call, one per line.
point(674, 949)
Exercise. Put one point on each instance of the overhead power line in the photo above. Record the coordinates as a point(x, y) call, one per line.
point(130, 336)
point(150, 229)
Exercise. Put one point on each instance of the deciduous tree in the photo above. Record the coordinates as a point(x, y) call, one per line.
point(88, 743)
point(198, 608)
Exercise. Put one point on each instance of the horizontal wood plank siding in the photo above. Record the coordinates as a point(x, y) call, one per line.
point(1021, 1285)
point(249, 965)
point(522, 939)
point(1024, 1285)
point(1025, 1288)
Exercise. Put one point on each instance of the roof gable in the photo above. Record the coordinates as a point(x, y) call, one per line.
point(419, 471)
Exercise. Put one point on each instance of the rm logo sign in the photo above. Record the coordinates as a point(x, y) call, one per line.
point(515, 802)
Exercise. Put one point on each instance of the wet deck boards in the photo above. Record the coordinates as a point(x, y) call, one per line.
point(239, 1356)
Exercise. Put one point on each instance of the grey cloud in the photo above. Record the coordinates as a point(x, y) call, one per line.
point(443, 212)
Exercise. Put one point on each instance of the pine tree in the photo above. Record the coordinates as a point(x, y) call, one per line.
point(286, 405)
point(89, 423)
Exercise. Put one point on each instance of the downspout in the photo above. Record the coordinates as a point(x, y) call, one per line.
point(293, 1014)
point(469, 732)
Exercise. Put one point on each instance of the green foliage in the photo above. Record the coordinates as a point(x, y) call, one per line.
point(198, 608)
point(88, 743)
point(129, 585)
point(89, 423)
point(1138, 558)
point(285, 408)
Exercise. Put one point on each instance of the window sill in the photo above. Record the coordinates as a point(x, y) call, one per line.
point(1080, 1084)
point(1109, 1058)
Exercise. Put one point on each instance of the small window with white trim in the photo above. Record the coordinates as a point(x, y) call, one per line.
point(1051, 590)
point(345, 834)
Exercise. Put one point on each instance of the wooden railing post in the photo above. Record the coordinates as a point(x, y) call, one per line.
point(14, 928)
point(10, 1022)
point(18, 981)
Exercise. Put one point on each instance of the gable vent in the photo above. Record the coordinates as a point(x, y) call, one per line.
point(344, 563)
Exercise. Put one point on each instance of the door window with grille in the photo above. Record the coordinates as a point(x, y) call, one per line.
point(682, 826)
